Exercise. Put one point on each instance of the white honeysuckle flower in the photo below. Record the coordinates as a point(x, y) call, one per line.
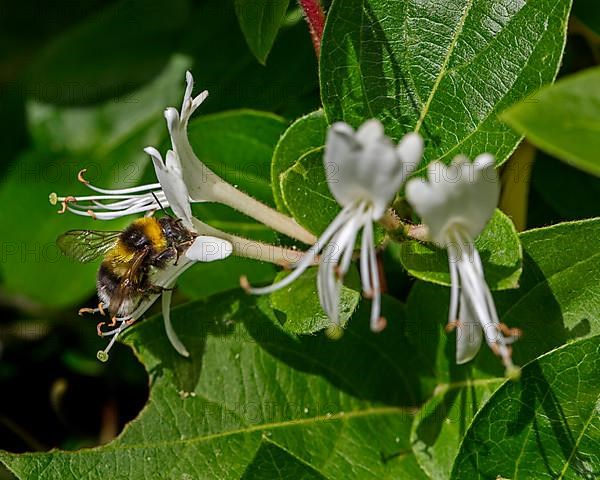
point(179, 178)
point(364, 172)
point(455, 203)
point(203, 249)
point(205, 185)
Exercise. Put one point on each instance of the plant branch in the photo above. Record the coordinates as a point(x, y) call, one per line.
point(401, 230)
point(315, 17)
point(244, 247)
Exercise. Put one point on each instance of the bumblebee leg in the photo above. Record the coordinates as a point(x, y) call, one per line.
point(156, 289)
point(163, 257)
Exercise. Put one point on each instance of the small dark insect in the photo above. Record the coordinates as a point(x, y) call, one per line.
point(129, 255)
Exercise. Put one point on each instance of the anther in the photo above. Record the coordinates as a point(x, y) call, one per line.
point(509, 332)
point(245, 284)
point(450, 326)
point(368, 293)
point(334, 332)
point(99, 328)
point(379, 325)
point(101, 308)
point(86, 310)
point(102, 356)
point(80, 176)
point(92, 214)
point(113, 321)
point(64, 203)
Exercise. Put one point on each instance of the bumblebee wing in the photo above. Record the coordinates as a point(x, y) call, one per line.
point(87, 245)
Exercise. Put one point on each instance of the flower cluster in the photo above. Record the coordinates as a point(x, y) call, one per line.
point(368, 170)
point(365, 170)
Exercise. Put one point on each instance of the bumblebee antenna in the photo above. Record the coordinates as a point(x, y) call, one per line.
point(160, 205)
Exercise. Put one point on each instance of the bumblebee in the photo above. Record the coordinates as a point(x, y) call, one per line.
point(129, 257)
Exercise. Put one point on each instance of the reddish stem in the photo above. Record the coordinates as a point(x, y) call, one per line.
point(315, 16)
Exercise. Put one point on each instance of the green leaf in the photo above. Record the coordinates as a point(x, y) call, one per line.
point(499, 248)
point(260, 21)
point(273, 461)
point(251, 393)
point(570, 192)
point(300, 307)
point(441, 423)
point(560, 286)
point(587, 11)
point(546, 424)
point(227, 69)
point(555, 303)
point(306, 193)
point(439, 68)
point(108, 141)
point(238, 146)
point(305, 134)
point(107, 54)
point(562, 120)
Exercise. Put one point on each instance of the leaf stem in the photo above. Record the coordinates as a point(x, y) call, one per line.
point(315, 17)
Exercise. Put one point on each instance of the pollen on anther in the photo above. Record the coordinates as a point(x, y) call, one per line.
point(64, 203)
point(244, 283)
point(80, 176)
point(334, 332)
point(380, 325)
point(451, 326)
point(102, 356)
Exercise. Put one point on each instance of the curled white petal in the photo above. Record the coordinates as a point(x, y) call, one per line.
point(469, 334)
point(410, 150)
point(208, 249)
point(170, 177)
point(171, 334)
